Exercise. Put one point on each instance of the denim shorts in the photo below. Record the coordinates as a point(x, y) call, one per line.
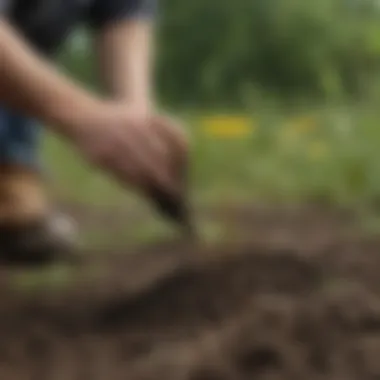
point(19, 139)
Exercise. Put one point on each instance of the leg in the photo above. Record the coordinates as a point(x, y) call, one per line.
point(22, 192)
point(28, 232)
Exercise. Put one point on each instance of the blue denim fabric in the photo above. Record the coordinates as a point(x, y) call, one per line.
point(19, 139)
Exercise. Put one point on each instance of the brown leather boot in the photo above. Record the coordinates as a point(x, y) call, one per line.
point(30, 234)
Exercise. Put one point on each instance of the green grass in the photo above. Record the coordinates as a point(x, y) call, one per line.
point(327, 155)
point(73, 179)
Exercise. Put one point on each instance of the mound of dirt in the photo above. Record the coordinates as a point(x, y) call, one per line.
point(177, 312)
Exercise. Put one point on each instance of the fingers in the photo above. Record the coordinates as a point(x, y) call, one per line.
point(138, 158)
point(166, 146)
point(174, 134)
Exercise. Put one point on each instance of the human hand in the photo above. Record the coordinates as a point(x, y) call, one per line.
point(138, 149)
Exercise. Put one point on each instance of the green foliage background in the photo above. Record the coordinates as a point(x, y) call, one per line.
point(222, 53)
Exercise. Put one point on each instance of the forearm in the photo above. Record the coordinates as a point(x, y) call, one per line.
point(30, 84)
point(126, 55)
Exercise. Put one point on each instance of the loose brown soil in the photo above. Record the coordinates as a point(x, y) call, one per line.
point(298, 299)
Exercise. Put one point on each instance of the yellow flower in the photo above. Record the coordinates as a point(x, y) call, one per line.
point(228, 126)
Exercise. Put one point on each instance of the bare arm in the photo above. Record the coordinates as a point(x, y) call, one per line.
point(126, 58)
point(126, 53)
point(29, 83)
point(103, 131)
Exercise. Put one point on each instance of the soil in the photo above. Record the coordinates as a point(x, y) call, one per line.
point(298, 298)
